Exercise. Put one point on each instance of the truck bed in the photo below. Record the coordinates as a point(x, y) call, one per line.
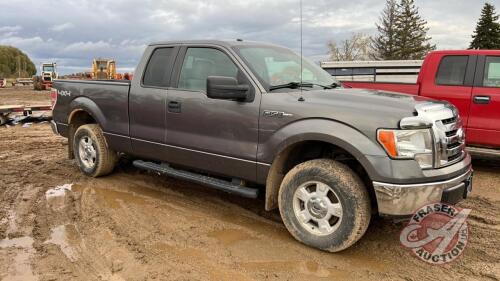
point(407, 88)
point(107, 99)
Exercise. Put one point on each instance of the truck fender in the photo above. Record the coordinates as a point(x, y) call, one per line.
point(275, 149)
point(89, 106)
point(86, 105)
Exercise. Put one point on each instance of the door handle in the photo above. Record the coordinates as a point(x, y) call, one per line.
point(174, 106)
point(482, 99)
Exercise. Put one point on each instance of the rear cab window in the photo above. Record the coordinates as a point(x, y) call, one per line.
point(452, 70)
point(159, 68)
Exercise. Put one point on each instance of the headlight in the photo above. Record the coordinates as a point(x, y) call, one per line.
point(408, 144)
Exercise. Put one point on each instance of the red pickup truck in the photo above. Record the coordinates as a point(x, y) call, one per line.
point(470, 79)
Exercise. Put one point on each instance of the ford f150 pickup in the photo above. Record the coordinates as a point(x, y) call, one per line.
point(470, 80)
point(242, 117)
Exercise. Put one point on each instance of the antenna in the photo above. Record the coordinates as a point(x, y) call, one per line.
point(301, 58)
point(301, 43)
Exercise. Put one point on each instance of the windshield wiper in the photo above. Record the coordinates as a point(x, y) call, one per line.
point(335, 85)
point(295, 85)
point(291, 85)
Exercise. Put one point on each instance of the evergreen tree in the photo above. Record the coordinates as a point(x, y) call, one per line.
point(384, 44)
point(411, 38)
point(487, 33)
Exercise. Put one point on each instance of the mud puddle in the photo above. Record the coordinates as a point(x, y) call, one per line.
point(66, 237)
point(20, 250)
point(56, 196)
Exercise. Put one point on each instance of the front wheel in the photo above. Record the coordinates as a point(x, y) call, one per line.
point(91, 151)
point(324, 204)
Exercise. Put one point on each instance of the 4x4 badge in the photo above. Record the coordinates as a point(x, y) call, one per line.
point(279, 114)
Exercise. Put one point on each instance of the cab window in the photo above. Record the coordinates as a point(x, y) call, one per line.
point(492, 72)
point(157, 72)
point(199, 63)
point(451, 71)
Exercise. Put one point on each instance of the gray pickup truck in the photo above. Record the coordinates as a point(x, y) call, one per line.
point(246, 117)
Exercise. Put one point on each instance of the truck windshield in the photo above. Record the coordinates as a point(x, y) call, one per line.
point(275, 66)
point(47, 68)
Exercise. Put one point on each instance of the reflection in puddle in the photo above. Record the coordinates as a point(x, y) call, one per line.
point(309, 268)
point(115, 199)
point(230, 236)
point(184, 252)
point(21, 268)
point(20, 242)
point(56, 196)
point(12, 222)
point(62, 236)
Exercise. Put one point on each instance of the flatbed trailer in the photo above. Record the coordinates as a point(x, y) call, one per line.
point(26, 110)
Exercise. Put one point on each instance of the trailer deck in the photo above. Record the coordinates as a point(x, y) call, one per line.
point(25, 110)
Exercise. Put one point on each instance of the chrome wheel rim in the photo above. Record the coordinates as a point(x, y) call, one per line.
point(317, 208)
point(87, 152)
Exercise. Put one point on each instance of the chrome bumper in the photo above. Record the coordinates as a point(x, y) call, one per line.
point(53, 125)
point(404, 199)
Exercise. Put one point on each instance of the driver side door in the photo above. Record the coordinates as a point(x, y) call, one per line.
point(212, 135)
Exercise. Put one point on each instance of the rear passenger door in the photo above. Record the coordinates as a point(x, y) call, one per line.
point(484, 121)
point(212, 135)
point(147, 102)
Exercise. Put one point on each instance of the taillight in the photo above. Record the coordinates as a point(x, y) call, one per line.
point(53, 97)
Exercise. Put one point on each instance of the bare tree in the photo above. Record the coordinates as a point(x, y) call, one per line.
point(357, 47)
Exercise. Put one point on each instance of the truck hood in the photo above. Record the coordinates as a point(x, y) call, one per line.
point(365, 110)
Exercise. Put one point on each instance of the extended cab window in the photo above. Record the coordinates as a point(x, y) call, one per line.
point(492, 72)
point(157, 73)
point(451, 71)
point(199, 63)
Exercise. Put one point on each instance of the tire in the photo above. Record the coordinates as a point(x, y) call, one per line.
point(324, 204)
point(92, 154)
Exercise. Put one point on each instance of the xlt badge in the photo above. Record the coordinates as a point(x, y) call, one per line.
point(279, 114)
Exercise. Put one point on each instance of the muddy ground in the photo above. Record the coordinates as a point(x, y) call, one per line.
point(56, 224)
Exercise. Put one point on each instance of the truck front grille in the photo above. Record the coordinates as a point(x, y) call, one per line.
point(448, 135)
point(449, 120)
point(450, 141)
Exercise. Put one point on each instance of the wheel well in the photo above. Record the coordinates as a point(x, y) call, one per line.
point(305, 151)
point(76, 119)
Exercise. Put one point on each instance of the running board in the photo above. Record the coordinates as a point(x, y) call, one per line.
point(484, 152)
point(215, 183)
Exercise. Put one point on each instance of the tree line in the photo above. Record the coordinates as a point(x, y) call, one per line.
point(15, 63)
point(402, 35)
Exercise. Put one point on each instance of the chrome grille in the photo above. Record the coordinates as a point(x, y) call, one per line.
point(449, 120)
point(449, 139)
point(453, 144)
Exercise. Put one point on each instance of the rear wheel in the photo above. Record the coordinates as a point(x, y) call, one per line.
point(91, 151)
point(324, 204)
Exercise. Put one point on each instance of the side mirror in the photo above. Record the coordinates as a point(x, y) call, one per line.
point(226, 88)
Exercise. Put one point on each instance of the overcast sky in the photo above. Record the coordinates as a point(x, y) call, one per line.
point(73, 32)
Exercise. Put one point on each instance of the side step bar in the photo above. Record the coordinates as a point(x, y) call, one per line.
point(215, 183)
point(485, 153)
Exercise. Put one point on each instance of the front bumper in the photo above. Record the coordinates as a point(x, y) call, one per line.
point(404, 199)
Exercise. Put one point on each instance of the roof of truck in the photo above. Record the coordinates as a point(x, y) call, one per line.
point(227, 43)
point(467, 52)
